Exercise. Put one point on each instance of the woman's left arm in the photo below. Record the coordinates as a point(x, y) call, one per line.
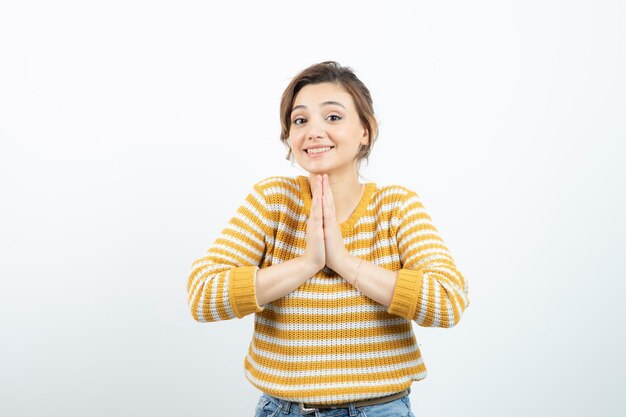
point(429, 288)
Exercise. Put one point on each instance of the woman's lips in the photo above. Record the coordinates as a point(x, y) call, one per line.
point(318, 152)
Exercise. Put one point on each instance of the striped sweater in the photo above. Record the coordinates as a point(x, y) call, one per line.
point(326, 342)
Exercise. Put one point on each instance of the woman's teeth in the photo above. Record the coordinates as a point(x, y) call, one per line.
point(319, 150)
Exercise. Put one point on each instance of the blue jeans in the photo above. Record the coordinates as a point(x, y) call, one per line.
point(269, 406)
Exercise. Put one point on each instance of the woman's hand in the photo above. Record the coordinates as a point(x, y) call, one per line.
point(314, 253)
point(324, 242)
point(335, 250)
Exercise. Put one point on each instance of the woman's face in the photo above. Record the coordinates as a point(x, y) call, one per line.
point(326, 133)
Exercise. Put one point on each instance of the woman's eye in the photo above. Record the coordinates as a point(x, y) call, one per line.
point(334, 117)
point(298, 121)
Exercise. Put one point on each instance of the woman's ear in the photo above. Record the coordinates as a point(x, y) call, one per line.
point(366, 137)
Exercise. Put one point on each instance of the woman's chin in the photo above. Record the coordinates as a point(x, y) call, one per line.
point(314, 168)
point(317, 171)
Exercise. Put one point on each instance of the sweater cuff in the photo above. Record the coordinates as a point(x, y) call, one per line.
point(406, 293)
point(241, 290)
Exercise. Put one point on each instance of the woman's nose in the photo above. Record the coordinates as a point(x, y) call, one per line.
point(316, 130)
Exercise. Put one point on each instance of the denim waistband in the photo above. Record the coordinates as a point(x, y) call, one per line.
point(287, 406)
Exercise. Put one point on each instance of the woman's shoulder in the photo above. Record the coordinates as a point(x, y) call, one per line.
point(278, 185)
point(276, 181)
point(394, 199)
point(396, 192)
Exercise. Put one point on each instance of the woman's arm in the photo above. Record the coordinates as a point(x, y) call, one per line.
point(276, 281)
point(221, 283)
point(374, 281)
point(429, 288)
point(227, 282)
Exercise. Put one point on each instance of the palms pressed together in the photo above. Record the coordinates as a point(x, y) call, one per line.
point(324, 242)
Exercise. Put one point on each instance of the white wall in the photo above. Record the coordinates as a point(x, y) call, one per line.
point(131, 130)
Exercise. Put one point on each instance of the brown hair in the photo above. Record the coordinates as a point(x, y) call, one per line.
point(331, 71)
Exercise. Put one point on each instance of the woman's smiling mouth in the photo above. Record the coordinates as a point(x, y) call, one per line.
point(317, 151)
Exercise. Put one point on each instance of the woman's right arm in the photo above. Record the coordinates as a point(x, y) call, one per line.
point(281, 279)
point(221, 283)
point(227, 283)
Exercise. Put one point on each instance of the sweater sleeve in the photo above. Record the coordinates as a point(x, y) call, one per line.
point(221, 283)
point(429, 289)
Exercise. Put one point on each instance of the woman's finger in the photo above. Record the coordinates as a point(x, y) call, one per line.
point(329, 203)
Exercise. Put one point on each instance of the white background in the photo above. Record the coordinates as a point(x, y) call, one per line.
point(132, 130)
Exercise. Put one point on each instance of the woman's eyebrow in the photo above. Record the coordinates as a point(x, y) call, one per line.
point(326, 103)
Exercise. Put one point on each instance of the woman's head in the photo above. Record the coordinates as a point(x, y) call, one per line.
point(344, 77)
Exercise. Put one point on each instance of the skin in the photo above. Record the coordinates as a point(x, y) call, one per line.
point(325, 115)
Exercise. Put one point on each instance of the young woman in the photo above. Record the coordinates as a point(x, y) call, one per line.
point(334, 270)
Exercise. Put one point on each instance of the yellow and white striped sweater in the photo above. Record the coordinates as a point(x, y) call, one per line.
point(326, 342)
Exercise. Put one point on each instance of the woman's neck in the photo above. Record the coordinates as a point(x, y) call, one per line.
point(347, 193)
